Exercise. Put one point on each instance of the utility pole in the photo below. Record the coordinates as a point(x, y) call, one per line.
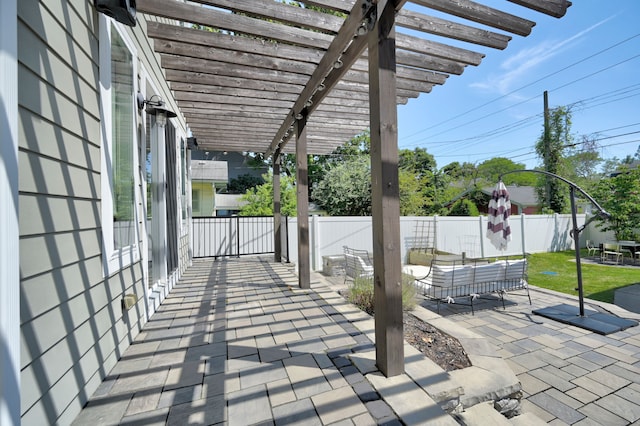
point(546, 142)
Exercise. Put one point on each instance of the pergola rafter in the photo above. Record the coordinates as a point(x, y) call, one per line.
point(271, 58)
point(270, 72)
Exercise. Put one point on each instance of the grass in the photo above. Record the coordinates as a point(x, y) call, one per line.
point(557, 271)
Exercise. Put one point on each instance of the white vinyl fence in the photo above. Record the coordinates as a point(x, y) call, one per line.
point(530, 234)
point(328, 235)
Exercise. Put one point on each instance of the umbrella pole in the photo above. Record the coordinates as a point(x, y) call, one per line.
point(597, 322)
point(576, 240)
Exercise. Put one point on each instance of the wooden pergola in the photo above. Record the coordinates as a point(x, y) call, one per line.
point(271, 73)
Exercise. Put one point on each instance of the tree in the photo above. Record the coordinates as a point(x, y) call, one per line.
point(259, 200)
point(582, 162)
point(464, 207)
point(318, 165)
point(244, 182)
point(412, 199)
point(346, 188)
point(418, 161)
point(620, 196)
point(550, 148)
point(491, 170)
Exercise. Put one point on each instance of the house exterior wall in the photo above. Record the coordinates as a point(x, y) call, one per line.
point(73, 327)
point(9, 256)
point(202, 194)
point(237, 163)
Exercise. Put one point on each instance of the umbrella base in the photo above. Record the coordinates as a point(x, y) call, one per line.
point(597, 322)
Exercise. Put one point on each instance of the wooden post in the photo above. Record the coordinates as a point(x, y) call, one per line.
point(277, 216)
point(302, 194)
point(385, 194)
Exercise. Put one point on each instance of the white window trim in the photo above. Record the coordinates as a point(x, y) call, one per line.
point(184, 198)
point(114, 259)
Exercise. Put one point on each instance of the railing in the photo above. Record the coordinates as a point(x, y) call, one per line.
point(232, 236)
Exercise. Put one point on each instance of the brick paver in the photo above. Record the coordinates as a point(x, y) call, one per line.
point(236, 342)
point(568, 375)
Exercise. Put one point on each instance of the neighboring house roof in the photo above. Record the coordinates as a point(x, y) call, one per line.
point(633, 165)
point(523, 196)
point(215, 171)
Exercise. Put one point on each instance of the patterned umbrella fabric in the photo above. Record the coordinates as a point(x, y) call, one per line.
point(499, 231)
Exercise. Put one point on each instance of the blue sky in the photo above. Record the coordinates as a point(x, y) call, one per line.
point(589, 59)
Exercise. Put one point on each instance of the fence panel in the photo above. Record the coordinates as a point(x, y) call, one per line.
point(529, 234)
point(232, 236)
point(236, 236)
point(255, 235)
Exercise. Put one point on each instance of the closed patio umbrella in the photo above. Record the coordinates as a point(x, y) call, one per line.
point(498, 230)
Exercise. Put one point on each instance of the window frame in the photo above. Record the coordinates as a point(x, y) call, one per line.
point(115, 259)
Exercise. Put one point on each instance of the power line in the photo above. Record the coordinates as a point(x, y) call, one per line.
point(534, 97)
point(591, 140)
point(526, 122)
point(524, 87)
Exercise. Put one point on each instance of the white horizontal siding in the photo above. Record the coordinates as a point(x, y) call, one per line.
point(73, 327)
point(41, 214)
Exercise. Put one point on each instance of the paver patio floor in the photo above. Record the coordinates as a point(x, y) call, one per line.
point(236, 342)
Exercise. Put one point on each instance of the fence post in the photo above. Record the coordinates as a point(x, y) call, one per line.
point(524, 240)
point(481, 236)
point(315, 243)
point(238, 235)
point(435, 233)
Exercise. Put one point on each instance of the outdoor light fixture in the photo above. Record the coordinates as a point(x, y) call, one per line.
point(123, 11)
point(308, 103)
point(338, 64)
point(155, 107)
point(192, 143)
point(320, 87)
point(299, 116)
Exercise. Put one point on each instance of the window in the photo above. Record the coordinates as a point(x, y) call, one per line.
point(122, 143)
point(183, 178)
point(119, 156)
point(195, 202)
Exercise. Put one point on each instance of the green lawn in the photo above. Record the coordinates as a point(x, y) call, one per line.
point(557, 271)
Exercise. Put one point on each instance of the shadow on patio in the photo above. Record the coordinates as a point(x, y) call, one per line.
point(237, 342)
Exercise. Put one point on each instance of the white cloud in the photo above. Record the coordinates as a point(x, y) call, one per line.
point(518, 67)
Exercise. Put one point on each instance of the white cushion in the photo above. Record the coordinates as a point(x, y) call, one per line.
point(515, 269)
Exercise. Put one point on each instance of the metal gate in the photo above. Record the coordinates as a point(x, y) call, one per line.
point(233, 236)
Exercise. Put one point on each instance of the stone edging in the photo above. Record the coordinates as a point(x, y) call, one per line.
point(489, 381)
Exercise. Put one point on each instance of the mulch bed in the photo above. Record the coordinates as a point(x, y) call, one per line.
point(444, 350)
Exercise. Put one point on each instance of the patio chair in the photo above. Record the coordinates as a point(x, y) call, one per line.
point(625, 249)
point(357, 264)
point(611, 250)
point(592, 249)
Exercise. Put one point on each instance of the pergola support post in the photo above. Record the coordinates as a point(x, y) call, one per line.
point(277, 216)
point(385, 194)
point(302, 194)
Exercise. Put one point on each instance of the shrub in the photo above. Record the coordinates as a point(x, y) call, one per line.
point(361, 294)
point(464, 207)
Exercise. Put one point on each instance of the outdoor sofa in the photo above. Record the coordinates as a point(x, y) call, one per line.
point(466, 280)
